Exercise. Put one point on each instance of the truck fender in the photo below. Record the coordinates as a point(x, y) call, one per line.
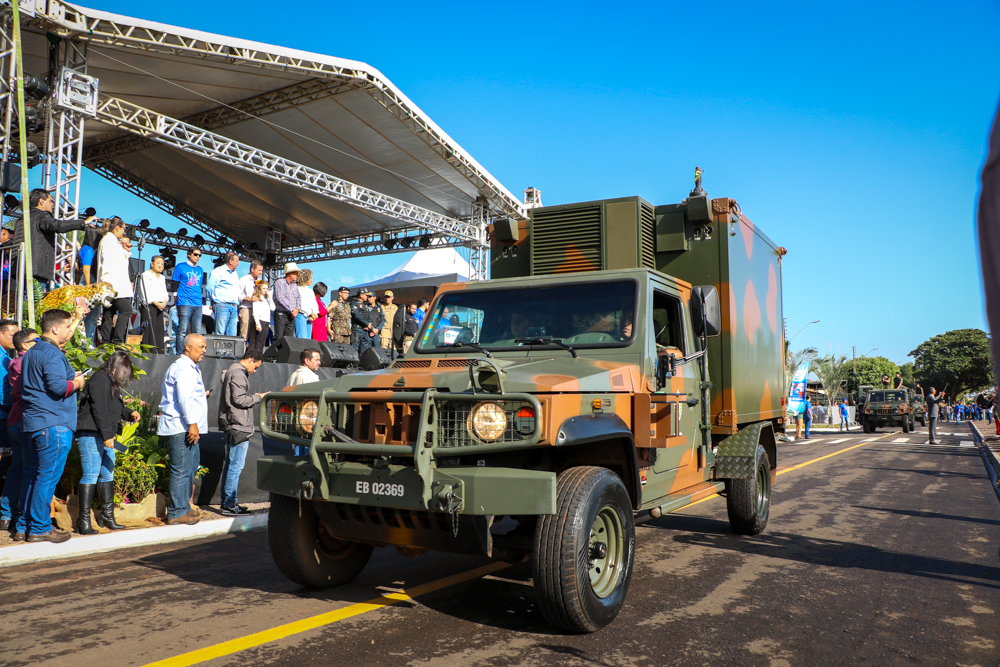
point(608, 427)
point(736, 456)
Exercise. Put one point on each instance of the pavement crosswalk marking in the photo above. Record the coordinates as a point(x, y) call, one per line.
point(901, 440)
point(834, 442)
point(967, 443)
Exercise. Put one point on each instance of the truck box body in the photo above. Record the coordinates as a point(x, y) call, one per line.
point(700, 241)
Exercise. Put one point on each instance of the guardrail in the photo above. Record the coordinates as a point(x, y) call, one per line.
point(989, 459)
point(12, 282)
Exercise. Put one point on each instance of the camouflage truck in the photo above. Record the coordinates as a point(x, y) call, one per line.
point(624, 357)
point(918, 408)
point(887, 407)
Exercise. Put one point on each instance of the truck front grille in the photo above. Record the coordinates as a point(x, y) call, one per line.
point(380, 423)
point(453, 427)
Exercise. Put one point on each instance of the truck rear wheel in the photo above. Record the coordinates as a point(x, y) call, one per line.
point(583, 555)
point(923, 420)
point(303, 549)
point(748, 501)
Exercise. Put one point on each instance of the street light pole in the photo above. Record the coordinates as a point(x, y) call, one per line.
point(801, 330)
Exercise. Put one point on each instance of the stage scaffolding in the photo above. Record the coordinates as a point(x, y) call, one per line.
point(319, 158)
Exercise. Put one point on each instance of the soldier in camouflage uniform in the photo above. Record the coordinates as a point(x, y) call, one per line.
point(340, 318)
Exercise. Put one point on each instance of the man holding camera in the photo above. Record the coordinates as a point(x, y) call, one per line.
point(44, 228)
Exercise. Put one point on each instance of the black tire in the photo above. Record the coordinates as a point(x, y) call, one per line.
point(923, 421)
point(864, 426)
point(305, 552)
point(906, 424)
point(748, 501)
point(574, 592)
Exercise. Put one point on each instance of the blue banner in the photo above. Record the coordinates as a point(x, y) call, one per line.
point(797, 394)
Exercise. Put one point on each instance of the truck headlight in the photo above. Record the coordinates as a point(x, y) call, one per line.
point(308, 412)
point(488, 421)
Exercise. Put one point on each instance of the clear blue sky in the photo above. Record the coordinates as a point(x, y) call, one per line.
point(850, 133)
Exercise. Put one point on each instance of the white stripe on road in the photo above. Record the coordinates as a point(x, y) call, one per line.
point(901, 440)
point(834, 442)
point(967, 443)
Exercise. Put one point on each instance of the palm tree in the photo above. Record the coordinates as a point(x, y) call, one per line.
point(831, 371)
point(793, 360)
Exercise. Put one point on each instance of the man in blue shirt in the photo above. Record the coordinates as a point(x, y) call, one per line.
point(48, 387)
point(183, 418)
point(807, 418)
point(189, 277)
point(422, 306)
point(844, 416)
point(224, 292)
point(7, 330)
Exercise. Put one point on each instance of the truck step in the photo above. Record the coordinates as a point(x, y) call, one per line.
point(691, 494)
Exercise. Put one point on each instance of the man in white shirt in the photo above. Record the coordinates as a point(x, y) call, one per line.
point(247, 285)
point(154, 289)
point(307, 371)
point(183, 418)
point(224, 293)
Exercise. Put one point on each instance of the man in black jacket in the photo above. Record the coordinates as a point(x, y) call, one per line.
point(236, 418)
point(44, 228)
point(932, 400)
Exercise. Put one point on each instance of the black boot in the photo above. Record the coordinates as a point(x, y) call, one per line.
point(85, 496)
point(107, 516)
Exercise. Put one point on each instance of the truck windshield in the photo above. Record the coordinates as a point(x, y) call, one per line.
point(886, 396)
point(580, 315)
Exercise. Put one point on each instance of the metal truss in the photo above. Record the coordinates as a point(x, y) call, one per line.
point(164, 239)
point(238, 112)
point(272, 244)
point(191, 139)
point(67, 21)
point(62, 167)
point(367, 245)
point(479, 259)
point(8, 71)
point(162, 201)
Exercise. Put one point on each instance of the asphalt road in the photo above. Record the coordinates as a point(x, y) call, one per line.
point(884, 554)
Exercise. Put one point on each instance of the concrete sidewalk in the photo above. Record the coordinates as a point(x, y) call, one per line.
point(128, 539)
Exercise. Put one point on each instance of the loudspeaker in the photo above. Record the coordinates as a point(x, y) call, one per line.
point(225, 347)
point(338, 355)
point(288, 350)
point(375, 358)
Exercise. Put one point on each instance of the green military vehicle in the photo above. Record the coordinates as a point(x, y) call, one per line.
point(624, 357)
point(918, 408)
point(887, 407)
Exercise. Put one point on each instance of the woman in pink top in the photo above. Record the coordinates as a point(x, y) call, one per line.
point(320, 324)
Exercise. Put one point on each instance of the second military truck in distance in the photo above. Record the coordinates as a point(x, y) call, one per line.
point(887, 407)
point(624, 357)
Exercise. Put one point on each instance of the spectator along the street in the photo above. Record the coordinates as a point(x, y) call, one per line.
point(320, 325)
point(807, 417)
point(248, 284)
point(224, 293)
point(154, 289)
point(308, 312)
point(11, 511)
point(236, 419)
point(933, 400)
point(260, 316)
point(304, 374)
point(112, 268)
point(44, 228)
point(189, 277)
point(102, 409)
point(287, 302)
point(7, 330)
point(183, 418)
point(844, 422)
point(48, 389)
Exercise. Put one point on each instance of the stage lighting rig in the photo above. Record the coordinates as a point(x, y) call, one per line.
point(199, 239)
point(406, 242)
point(89, 212)
point(35, 87)
point(425, 241)
point(144, 223)
point(389, 244)
point(182, 231)
point(160, 233)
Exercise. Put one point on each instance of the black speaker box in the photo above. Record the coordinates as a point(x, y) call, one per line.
point(374, 358)
point(224, 347)
point(338, 355)
point(288, 350)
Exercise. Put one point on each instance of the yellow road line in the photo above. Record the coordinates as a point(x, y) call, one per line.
point(387, 600)
point(313, 622)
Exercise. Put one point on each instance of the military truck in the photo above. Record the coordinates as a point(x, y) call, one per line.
point(624, 357)
point(887, 407)
point(918, 408)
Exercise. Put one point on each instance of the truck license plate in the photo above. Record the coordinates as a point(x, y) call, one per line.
point(378, 489)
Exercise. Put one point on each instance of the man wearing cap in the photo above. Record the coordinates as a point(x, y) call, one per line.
point(287, 302)
point(361, 318)
point(340, 317)
point(389, 311)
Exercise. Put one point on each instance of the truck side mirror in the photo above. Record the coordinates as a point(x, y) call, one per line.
point(711, 316)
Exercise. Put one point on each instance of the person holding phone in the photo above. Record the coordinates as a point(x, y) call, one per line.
point(102, 409)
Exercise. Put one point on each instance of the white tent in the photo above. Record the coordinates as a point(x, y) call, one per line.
point(427, 268)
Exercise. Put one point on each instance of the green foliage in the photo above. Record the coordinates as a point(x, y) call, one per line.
point(82, 356)
point(831, 371)
point(140, 437)
point(956, 361)
point(870, 371)
point(134, 478)
point(906, 370)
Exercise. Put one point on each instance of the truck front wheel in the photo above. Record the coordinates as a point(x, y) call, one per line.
point(906, 424)
point(303, 549)
point(583, 555)
point(748, 501)
point(923, 420)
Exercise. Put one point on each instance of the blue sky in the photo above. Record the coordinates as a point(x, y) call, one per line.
point(851, 133)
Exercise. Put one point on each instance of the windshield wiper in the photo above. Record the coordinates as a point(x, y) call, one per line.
point(548, 341)
point(477, 348)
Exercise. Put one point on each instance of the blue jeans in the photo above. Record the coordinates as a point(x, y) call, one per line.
point(11, 487)
point(843, 423)
point(97, 461)
point(808, 423)
point(90, 322)
point(188, 321)
point(232, 466)
point(45, 454)
point(225, 318)
point(303, 327)
point(184, 461)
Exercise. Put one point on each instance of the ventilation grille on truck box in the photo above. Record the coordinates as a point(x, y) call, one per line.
point(647, 224)
point(566, 241)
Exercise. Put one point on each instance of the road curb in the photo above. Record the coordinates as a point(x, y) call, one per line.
point(128, 539)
